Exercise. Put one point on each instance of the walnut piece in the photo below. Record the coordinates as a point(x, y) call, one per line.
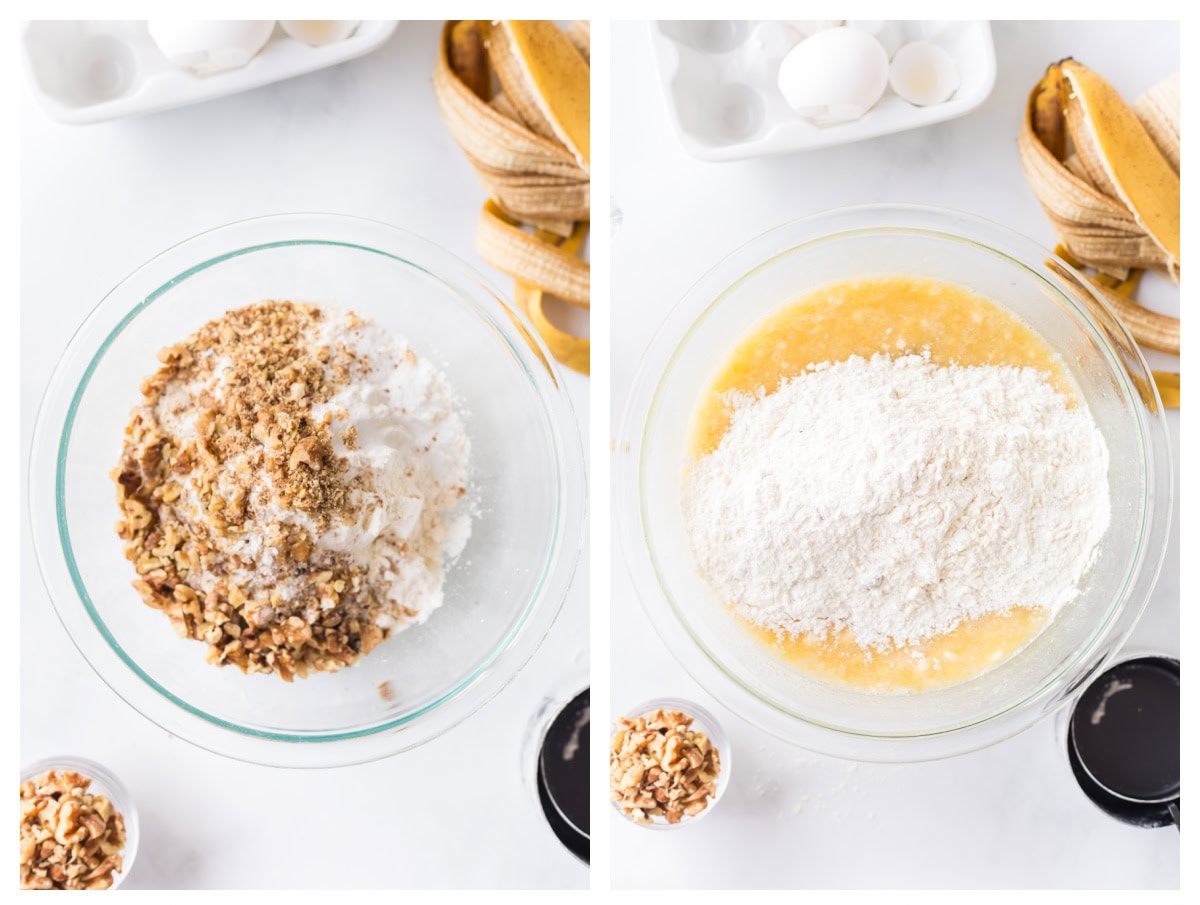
point(70, 838)
point(660, 767)
point(225, 436)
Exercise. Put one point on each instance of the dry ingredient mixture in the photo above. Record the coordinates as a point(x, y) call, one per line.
point(290, 487)
point(70, 837)
point(896, 499)
point(660, 767)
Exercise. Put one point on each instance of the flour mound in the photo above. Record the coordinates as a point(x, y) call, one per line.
point(896, 498)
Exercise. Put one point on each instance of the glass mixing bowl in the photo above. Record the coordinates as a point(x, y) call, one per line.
point(781, 266)
point(527, 485)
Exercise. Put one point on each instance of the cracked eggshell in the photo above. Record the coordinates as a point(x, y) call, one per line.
point(834, 76)
point(924, 74)
point(209, 47)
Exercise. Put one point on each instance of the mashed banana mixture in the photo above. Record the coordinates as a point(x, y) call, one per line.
point(895, 484)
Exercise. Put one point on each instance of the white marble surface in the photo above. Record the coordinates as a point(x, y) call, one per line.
point(1009, 816)
point(96, 202)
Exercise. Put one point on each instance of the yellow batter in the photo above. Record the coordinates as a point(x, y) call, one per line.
point(894, 315)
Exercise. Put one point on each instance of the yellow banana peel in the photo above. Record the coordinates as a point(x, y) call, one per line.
point(547, 80)
point(1121, 158)
point(530, 145)
point(1108, 186)
point(1168, 388)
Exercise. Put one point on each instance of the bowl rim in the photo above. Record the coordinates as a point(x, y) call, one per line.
point(676, 329)
point(116, 791)
point(561, 555)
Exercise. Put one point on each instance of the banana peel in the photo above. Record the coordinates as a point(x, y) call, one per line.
point(529, 143)
point(1121, 158)
point(1063, 141)
point(547, 80)
point(1168, 388)
point(1158, 111)
point(572, 351)
point(1098, 228)
point(532, 176)
point(579, 33)
point(468, 57)
point(502, 243)
point(1149, 328)
point(1046, 106)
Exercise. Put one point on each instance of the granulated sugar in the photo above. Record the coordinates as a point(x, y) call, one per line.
point(896, 499)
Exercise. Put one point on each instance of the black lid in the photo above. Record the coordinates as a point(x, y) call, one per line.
point(562, 775)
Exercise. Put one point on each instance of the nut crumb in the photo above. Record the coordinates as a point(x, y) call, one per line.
point(190, 497)
point(660, 767)
point(70, 837)
point(386, 692)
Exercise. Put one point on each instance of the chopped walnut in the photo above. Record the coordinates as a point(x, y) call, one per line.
point(225, 434)
point(660, 767)
point(70, 838)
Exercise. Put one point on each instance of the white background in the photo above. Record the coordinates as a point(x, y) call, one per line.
point(1010, 816)
point(97, 201)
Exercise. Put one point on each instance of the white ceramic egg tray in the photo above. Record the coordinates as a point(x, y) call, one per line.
point(719, 78)
point(87, 72)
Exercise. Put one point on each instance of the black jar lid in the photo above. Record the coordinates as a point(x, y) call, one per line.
point(562, 775)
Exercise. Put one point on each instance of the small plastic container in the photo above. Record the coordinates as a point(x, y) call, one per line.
point(702, 721)
point(104, 782)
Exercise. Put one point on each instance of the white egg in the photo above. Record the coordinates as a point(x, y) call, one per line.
point(209, 47)
point(834, 76)
point(924, 74)
point(318, 32)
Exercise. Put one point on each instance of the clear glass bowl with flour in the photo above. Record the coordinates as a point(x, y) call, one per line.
point(475, 617)
point(710, 639)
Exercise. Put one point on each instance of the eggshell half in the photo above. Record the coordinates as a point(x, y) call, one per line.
point(924, 74)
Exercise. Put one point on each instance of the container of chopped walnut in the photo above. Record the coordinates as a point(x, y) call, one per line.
point(79, 826)
point(669, 764)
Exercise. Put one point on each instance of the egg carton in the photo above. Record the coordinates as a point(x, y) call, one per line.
point(87, 72)
point(719, 78)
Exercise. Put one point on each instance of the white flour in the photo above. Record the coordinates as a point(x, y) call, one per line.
point(412, 448)
point(896, 498)
point(409, 461)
